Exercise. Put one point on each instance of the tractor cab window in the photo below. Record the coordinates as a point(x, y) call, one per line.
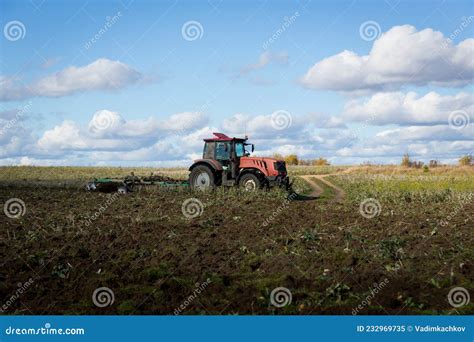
point(222, 151)
point(209, 149)
point(239, 149)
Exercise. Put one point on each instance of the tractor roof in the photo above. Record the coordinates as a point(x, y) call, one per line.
point(222, 137)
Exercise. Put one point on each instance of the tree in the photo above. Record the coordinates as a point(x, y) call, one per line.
point(320, 162)
point(465, 160)
point(417, 164)
point(406, 162)
point(305, 162)
point(278, 156)
point(291, 159)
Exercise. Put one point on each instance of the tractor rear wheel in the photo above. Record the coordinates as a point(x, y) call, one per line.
point(201, 178)
point(250, 182)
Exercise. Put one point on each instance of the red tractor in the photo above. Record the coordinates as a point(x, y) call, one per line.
point(227, 162)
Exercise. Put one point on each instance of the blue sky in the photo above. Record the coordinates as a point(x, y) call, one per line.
point(146, 93)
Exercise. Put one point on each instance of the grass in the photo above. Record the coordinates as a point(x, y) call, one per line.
point(84, 173)
point(400, 170)
point(297, 170)
point(404, 183)
point(404, 188)
point(80, 173)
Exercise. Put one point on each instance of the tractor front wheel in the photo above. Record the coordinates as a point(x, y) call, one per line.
point(201, 178)
point(250, 182)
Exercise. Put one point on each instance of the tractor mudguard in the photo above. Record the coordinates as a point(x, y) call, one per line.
point(213, 164)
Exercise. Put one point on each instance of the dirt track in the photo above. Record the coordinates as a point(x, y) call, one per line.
point(317, 190)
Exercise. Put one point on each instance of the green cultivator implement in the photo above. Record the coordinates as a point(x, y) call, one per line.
point(127, 184)
point(225, 162)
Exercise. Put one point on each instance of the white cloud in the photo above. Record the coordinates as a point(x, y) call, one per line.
point(265, 59)
point(260, 126)
point(14, 135)
point(102, 74)
point(193, 141)
point(105, 123)
point(426, 133)
point(300, 150)
point(157, 142)
point(12, 90)
point(425, 142)
point(432, 150)
point(68, 136)
point(109, 131)
point(183, 122)
point(408, 109)
point(400, 56)
point(369, 151)
point(49, 62)
point(323, 121)
point(250, 71)
point(14, 144)
point(165, 150)
point(240, 124)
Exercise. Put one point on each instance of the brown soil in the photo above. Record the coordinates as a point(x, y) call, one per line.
point(151, 256)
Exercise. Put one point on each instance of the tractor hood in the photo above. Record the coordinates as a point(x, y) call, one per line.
point(269, 160)
point(268, 166)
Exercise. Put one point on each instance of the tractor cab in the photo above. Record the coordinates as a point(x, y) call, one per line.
point(227, 152)
point(223, 148)
point(226, 161)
